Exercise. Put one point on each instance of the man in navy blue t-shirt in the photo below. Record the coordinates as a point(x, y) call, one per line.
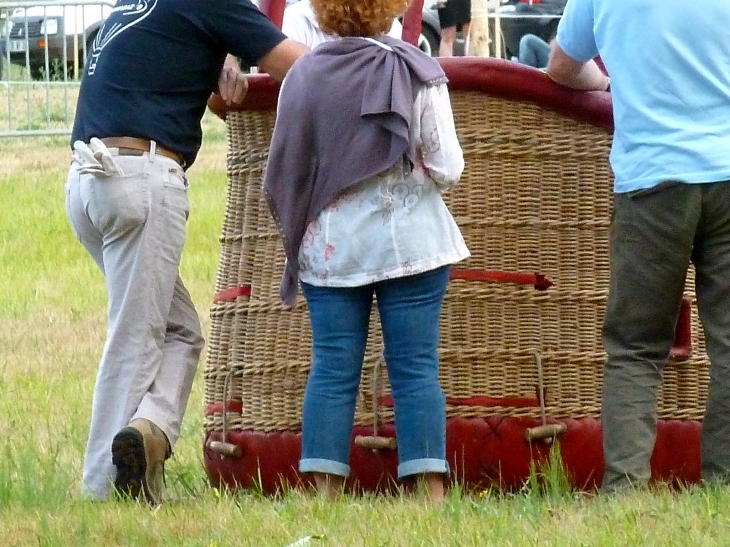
point(151, 70)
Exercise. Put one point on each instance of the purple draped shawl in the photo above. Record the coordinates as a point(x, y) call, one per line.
point(343, 116)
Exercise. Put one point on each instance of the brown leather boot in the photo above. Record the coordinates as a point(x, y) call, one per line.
point(139, 452)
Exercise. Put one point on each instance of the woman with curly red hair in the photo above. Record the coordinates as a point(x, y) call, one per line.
point(363, 147)
point(300, 24)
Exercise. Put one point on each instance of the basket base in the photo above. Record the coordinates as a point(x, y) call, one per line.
point(482, 452)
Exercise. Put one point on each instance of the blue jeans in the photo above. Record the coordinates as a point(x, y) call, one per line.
point(409, 313)
point(534, 51)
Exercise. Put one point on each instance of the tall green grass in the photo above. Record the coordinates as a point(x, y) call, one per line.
point(52, 324)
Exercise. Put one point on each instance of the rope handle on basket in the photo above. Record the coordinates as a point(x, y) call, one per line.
point(376, 442)
point(223, 447)
point(545, 432)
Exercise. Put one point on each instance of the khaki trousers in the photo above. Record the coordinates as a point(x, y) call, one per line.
point(133, 226)
point(654, 235)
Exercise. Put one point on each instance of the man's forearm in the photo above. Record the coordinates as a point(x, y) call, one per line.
point(566, 71)
point(277, 62)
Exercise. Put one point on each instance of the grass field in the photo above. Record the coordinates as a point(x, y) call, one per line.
point(52, 325)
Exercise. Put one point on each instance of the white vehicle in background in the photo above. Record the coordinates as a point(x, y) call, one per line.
point(46, 37)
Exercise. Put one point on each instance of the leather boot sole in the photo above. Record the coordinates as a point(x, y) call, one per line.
point(128, 455)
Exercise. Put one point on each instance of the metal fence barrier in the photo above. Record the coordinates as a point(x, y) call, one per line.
point(44, 46)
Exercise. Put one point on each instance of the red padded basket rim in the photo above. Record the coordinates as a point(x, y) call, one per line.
point(493, 77)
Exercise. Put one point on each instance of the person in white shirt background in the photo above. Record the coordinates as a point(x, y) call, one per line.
point(300, 24)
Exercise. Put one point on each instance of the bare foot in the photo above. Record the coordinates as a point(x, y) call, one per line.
point(329, 485)
point(433, 483)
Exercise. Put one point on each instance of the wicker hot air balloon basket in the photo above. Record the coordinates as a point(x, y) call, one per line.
point(521, 354)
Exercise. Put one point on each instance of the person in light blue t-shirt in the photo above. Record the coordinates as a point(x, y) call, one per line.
point(669, 64)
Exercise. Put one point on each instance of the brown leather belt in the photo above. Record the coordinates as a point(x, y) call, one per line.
point(130, 145)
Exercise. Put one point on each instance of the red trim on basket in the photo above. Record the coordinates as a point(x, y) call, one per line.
point(480, 400)
point(232, 294)
point(217, 408)
point(387, 400)
point(682, 348)
point(539, 281)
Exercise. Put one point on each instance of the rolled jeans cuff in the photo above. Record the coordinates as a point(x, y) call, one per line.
point(318, 465)
point(423, 465)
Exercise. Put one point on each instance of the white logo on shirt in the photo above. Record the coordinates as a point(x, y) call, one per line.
point(131, 14)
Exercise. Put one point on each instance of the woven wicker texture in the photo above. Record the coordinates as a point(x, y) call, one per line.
point(535, 199)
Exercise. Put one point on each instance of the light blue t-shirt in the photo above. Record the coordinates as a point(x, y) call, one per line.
point(669, 62)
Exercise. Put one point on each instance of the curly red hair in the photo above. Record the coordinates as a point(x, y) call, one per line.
point(357, 17)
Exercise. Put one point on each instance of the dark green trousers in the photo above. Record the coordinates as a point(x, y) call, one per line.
point(654, 235)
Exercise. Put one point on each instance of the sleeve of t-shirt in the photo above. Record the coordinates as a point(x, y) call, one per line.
point(246, 32)
point(575, 31)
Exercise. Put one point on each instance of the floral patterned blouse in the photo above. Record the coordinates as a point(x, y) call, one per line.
point(396, 223)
